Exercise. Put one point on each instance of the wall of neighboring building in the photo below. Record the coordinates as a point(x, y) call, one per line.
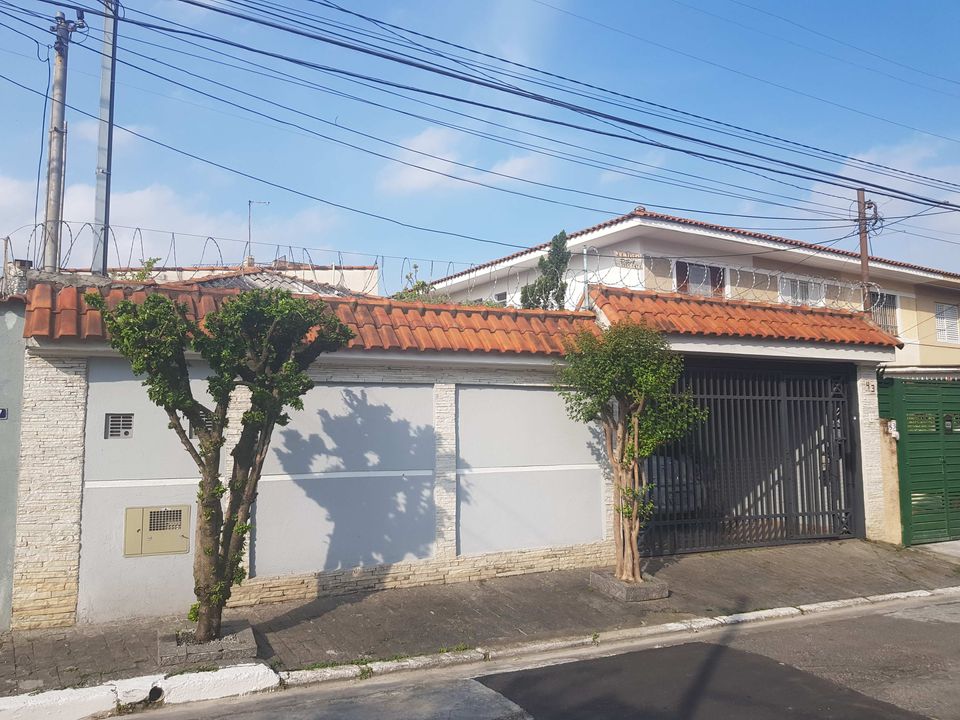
point(11, 396)
point(363, 489)
point(932, 350)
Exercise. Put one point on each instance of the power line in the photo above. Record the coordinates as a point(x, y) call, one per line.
point(812, 49)
point(534, 96)
point(742, 73)
point(847, 44)
point(279, 186)
point(539, 149)
point(835, 155)
point(875, 187)
point(413, 150)
point(342, 127)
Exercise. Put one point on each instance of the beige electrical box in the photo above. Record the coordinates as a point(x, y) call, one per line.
point(156, 530)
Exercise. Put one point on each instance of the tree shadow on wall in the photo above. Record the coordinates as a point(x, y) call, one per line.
point(368, 519)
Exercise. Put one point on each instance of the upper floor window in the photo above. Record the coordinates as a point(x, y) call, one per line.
point(883, 309)
point(948, 323)
point(796, 291)
point(696, 279)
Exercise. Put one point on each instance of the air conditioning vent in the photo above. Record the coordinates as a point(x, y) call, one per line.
point(118, 426)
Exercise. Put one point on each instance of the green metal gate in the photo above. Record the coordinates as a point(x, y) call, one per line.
point(928, 452)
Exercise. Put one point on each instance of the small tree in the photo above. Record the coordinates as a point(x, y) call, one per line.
point(263, 340)
point(625, 379)
point(549, 291)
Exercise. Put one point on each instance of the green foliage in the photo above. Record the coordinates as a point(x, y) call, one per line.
point(629, 371)
point(636, 503)
point(194, 612)
point(148, 264)
point(548, 292)
point(262, 340)
point(416, 290)
point(625, 378)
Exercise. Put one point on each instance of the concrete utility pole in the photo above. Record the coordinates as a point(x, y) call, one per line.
point(51, 230)
point(249, 249)
point(108, 68)
point(862, 206)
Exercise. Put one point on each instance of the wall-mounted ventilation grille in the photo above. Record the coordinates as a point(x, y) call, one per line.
point(165, 520)
point(118, 426)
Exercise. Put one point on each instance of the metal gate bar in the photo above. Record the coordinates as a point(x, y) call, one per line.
point(772, 464)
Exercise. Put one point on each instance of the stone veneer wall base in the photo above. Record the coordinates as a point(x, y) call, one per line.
point(46, 566)
point(438, 571)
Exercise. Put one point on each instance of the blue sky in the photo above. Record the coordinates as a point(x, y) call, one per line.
point(665, 51)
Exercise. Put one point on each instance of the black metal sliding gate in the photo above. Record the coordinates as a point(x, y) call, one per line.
point(773, 464)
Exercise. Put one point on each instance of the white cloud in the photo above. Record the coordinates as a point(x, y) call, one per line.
point(398, 179)
point(159, 210)
point(88, 131)
point(402, 179)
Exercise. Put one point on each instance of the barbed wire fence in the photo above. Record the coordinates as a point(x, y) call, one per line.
point(633, 271)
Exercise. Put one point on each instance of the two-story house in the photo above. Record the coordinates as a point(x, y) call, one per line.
point(636, 265)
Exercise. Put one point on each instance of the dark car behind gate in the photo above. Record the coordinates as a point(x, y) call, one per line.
point(774, 463)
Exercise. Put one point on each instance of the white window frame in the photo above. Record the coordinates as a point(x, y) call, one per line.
point(896, 307)
point(784, 300)
point(722, 268)
point(943, 330)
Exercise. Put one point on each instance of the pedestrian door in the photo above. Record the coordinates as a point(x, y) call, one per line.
point(928, 452)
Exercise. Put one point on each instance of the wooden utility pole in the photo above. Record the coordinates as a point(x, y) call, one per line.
point(55, 162)
point(862, 205)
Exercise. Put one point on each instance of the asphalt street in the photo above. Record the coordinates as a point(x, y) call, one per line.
point(898, 661)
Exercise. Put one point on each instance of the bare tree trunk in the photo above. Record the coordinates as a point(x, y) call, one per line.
point(207, 570)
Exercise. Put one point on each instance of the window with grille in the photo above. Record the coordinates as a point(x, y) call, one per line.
point(883, 309)
point(166, 519)
point(118, 426)
point(500, 298)
point(795, 291)
point(948, 323)
point(207, 425)
point(696, 279)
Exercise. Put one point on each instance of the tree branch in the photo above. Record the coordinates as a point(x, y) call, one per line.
point(184, 437)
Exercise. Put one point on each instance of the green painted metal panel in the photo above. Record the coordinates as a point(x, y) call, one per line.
point(928, 419)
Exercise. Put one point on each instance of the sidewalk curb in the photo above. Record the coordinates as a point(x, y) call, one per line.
point(235, 680)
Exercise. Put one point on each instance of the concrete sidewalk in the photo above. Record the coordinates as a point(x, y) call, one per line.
point(427, 620)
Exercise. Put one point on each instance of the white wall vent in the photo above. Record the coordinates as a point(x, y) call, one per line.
point(207, 424)
point(118, 426)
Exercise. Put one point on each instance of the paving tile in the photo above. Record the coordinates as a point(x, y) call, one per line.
point(535, 607)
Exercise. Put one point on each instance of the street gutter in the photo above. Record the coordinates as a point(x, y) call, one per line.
point(120, 696)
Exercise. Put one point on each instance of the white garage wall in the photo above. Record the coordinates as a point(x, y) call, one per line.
point(527, 476)
point(349, 482)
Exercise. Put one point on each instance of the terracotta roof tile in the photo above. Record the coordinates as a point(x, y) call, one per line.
point(691, 315)
point(379, 324)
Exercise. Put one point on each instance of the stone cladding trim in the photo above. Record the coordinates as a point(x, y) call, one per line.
point(436, 571)
point(871, 460)
point(46, 567)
